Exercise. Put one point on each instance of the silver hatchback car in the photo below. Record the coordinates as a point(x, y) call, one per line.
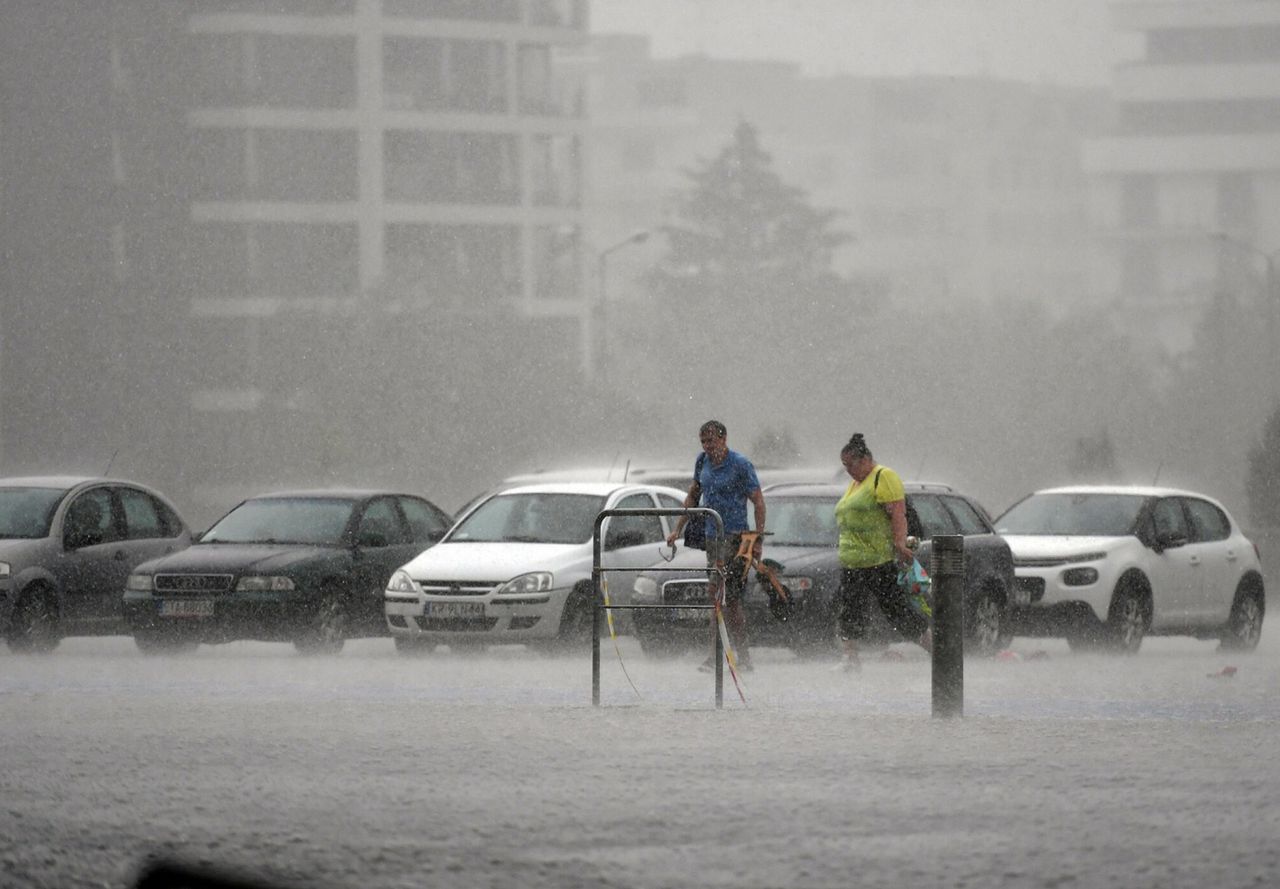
point(67, 546)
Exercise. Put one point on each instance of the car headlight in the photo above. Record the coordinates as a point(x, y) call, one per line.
point(268, 583)
point(4, 569)
point(1079, 576)
point(644, 588)
point(139, 583)
point(537, 582)
point(401, 582)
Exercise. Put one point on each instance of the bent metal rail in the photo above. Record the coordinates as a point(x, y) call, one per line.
point(598, 570)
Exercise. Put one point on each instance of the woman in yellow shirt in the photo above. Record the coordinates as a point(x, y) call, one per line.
point(872, 518)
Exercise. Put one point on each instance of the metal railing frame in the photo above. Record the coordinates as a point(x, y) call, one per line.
point(598, 571)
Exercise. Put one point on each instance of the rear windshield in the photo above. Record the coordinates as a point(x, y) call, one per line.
point(1101, 515)
point(312, 521)
point(803, 521)
point(531, 518)
point(27, 513)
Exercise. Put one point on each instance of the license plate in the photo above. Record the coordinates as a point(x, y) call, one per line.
point(1021, 597)
point(186, 608)
point(689, 614)
point(455, 609)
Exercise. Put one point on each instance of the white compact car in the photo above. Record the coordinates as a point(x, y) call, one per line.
point(1106, 565)
point(517, 566)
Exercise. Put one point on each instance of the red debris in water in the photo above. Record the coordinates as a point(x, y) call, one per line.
point(1224, 673)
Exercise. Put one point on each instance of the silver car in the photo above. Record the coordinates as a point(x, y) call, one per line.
point(67, 546)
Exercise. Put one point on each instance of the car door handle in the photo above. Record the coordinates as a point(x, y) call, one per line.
point(1231, 555)
point(1194, 560)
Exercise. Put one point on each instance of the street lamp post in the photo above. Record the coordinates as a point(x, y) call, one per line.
point(1271, 306)
point(602, 337)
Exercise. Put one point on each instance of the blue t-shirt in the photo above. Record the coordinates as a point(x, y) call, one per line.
point(725, 489)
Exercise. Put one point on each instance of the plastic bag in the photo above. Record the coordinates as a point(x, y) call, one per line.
point(916, 586)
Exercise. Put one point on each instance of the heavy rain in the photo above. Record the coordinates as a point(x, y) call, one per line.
point(399, 254)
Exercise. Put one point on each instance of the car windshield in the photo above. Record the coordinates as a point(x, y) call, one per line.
point(1102, 515)
point(27, 513)
point(803, 521)
point(531, 518)
point(314, 521)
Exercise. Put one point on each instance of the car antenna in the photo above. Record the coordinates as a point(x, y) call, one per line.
point(1156, 477)
point(110, 462)
point(626, 470)
point(613, 463)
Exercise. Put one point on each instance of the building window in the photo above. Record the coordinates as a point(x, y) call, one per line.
point(1237, 205)
point(662, 92)
point(471, 168)
point(476, 76)
point(478, 10)
point(413, 73)
point(299, 71)
point(306, 260)
point(307, 165)
point(1139, 272)
point(217, 260)
point(555, 170)
point(1138, 201)
point(556, 253)
point(457, 266)
point(536, 93)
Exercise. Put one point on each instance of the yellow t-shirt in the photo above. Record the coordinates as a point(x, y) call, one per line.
point(866, 534)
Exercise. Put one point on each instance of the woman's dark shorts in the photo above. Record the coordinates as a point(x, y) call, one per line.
point(860, 586)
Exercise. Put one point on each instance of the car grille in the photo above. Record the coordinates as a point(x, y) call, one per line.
point(458, 587)
point(1038, 563)
point(192, 583)
point(1034, 586)
point(684, 592)
point(456, 624)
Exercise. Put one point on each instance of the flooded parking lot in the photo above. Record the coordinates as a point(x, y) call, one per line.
point(492, 769)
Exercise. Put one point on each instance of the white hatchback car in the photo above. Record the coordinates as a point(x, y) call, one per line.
point(517, 566)
point(1106, 565)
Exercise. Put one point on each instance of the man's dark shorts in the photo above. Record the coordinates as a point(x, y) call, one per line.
point(736, 576)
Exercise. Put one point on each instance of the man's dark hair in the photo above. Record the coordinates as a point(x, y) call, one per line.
point(714, 426)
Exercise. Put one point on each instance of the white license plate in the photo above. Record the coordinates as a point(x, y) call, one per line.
point(688, 614)
point(1021, 597)
point(455, 609)
point(186, 608)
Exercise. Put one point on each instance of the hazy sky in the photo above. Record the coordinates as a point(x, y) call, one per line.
point(1054, 41)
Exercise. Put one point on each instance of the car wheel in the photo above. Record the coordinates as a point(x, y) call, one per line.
point(1244, 626)
point(575, 620)
point(33, 626)
point(160, 642)
point(413, 646)
point(327, 631)
point(986, 627)
point(1127, 619)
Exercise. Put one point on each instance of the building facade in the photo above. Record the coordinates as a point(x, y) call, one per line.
point(251, 213)
point(1186, 188)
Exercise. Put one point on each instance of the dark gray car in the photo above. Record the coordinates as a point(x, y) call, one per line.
point(67, 546)
point(802, 518)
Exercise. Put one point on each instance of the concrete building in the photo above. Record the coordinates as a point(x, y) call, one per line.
point(1186, 189)
point(229, 210)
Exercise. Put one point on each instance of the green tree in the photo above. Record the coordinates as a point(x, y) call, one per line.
point(747, 281)
point(1263, 477)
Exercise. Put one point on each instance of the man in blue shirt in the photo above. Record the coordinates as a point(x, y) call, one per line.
point(726, 482)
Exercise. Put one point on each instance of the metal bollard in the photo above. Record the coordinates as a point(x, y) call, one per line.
point(947, 571)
